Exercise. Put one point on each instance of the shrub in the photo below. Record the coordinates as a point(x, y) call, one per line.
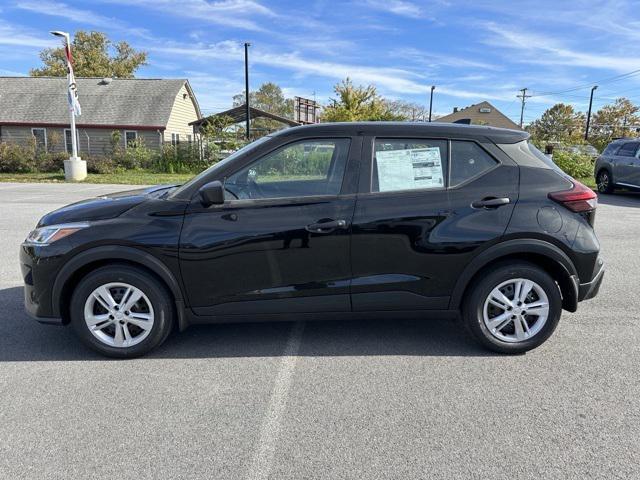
point(101, 165)
point(50, 162)
point(575, 164)
point(16, 159)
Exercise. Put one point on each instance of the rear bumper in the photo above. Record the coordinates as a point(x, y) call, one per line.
point(590, 289)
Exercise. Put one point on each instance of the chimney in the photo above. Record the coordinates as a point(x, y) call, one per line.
point(105, 81)
point(455, 109)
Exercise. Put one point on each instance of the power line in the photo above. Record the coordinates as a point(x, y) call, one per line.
point(590, 84)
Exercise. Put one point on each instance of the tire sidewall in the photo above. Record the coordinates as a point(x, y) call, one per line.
point(155, 292)
point(609, 188)
point(474, 311)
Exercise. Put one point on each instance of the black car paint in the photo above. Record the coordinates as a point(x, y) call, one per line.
point(399, 252)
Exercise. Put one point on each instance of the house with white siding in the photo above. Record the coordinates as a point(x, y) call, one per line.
point(151, 111)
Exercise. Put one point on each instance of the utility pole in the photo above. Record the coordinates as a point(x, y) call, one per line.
point(246, 88)
point(433, 87)
point(523, 96)
point(586, 130)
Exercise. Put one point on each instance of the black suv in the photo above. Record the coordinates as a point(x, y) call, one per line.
point(619, 166)
point(330, 221)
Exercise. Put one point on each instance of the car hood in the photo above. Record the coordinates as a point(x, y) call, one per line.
point(103, 207)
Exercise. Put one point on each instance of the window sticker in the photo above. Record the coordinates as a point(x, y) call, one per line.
point(409, 169)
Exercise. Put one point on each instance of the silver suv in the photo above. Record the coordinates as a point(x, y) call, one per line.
point(619, 166)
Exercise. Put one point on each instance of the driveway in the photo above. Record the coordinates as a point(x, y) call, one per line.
point(352, 400)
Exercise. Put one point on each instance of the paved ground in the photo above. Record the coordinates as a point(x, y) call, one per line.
point(354, 400)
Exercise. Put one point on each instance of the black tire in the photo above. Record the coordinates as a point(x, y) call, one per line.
point(473, 308)
point(157, 294)
point(604, 181)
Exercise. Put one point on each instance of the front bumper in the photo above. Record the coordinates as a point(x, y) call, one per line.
point(38, 272)
point(590, 289)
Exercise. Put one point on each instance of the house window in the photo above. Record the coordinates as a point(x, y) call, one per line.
point(40, 134)
point(175, 139)
point(130, 138)
point(67, 141)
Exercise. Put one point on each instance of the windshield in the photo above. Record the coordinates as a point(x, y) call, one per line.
point(220, 164)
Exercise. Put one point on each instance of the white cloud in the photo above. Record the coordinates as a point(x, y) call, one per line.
point(231, 13)
point(544, 50)
point(84, 17)
point(17, 36)
point(393, 80)
point(397, 7)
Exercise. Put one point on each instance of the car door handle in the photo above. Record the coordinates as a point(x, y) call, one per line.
point(326, 227)
point(491, 202)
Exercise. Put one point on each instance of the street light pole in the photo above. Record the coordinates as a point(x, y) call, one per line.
point(586, 131)
point(246, 87)
point(433, 87)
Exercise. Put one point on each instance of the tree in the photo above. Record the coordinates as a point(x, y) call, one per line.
point(357, 103)
point(560, 123)
point(407, 111)
point(270, 98)
point(94, 55)
point(619, 119)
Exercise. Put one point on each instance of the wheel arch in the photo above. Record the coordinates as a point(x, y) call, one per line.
point(546, 255)
point(83, 263)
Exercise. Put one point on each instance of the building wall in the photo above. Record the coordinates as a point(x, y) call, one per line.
point(91, 141)
point(183, 112)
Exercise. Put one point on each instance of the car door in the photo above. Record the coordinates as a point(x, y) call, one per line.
point(623, 168)
point(280, 242)
point(634, 170)
point(397, 251)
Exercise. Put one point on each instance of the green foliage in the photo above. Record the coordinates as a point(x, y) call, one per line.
point(560, 123)
point(612, 121)
point(358, 103)
point(94, 55)
point(575, 164)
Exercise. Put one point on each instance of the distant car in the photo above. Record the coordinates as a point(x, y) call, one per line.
point(383, 220)
point(583, 149)
point(619, 166)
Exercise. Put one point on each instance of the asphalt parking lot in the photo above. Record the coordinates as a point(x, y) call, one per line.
point(397, 400)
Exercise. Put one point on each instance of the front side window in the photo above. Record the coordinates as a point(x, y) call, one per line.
point(409, 164)
point(611, 149)
point(300, 169)
point(40, 135)
point(468, 160)
point(628, 149)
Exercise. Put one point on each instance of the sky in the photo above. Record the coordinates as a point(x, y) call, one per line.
point(471, 50)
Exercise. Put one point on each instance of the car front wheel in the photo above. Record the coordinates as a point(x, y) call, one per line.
point(604, 183)
point(513, 308)
point(121, 311)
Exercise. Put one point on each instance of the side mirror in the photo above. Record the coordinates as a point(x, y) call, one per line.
point(212, 193)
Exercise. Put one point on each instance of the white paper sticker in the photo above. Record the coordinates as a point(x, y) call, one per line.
point(409, 169)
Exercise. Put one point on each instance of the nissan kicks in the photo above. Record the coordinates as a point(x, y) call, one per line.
point(326, 222)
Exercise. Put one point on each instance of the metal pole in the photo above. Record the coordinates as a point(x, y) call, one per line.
point(433, 87)
point(586, 131)
point(246, 87)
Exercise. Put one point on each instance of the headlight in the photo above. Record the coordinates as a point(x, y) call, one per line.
point(45, 235)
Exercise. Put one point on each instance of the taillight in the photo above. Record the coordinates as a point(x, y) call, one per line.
point(579, 198)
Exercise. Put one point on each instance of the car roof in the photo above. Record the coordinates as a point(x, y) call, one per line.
point(433, 129)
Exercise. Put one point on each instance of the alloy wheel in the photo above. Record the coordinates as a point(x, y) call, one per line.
point(516, 310)
point(118, 314)
point(603, 182)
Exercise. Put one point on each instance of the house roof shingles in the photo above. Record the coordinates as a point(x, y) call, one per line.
point(126, 102)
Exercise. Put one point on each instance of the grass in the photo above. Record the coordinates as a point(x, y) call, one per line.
point(129, 177)
point(588, 181)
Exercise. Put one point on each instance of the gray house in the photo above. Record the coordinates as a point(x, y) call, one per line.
point(153, 111)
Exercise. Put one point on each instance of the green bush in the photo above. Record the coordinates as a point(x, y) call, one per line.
point(575, 164)
point(101, 165)
point(16, 159)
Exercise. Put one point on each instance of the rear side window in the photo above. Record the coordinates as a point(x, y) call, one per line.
point(468, 160)
point(628, 149)
point(611, 149)
point(410, 164)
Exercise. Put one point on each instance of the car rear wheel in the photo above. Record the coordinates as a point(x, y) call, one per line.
point(513, 308)
point(121, 311)
point(603, 181)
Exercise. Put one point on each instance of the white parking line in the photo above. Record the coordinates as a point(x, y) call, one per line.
point(263, 458)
